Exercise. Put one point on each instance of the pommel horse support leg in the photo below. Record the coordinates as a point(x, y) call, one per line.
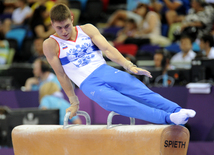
point(100, 139)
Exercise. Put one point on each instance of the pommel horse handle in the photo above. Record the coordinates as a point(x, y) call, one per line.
point(81, 113)
point(110, 116)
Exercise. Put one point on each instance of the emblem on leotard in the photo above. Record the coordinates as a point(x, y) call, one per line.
point(81, 55)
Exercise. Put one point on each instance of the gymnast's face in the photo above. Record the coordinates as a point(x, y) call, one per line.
point(64, 29)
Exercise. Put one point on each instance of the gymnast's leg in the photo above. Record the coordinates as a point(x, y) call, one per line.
point(112, 100)
point(142, 94)
point(130, 86)
point(125, 91)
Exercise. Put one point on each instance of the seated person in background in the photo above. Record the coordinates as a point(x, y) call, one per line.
point(161, 60)
point(130, 4)
point(150, 27)
point(37, 25)
point(42, 74)
point(158, 57)
point(119, 17)
point(186, 54)
point(4, 49)
point(22, 13)
point(37, 51)
point(48, 4)
point(171, 10)
point(128, 31)
point(51, 97)
point(19, 16)
point(206, 45)
point(200, 16)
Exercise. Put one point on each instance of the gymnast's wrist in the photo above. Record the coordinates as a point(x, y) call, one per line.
point(128, 65)
point(73, 100)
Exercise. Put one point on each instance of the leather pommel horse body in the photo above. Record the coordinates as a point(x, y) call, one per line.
point(100, 139)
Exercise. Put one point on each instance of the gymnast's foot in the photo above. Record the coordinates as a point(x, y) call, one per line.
point(181, 117)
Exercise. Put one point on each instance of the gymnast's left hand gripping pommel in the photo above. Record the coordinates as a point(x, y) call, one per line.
point(74, 101)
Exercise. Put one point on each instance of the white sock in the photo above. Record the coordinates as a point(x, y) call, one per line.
point(189, 112)
point(181, 117)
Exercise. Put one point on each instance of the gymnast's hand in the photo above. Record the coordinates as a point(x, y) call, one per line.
point(140, 71)
point(74, 101)
point(73, 110)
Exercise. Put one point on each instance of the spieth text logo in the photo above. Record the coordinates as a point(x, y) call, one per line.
point(174, 144)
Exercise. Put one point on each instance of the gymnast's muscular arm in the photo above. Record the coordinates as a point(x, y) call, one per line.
point(111, 52)
point(51, 50)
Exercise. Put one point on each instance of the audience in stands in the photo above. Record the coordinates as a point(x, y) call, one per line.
point(21, 13)
point(171, 10)
point(48, 4)
point(119, 17)
point(131, 5)
point(150, 27)
point(158, 59)
point(37, 25)
point(4, 49)
point(200, 16)
point(19, 16)
point(206, 45)
point(140, 26)
point(42, 74)
point(51, 97)
point(129, 30)
point(186, 55)
point(162, 61)
point(37, 51)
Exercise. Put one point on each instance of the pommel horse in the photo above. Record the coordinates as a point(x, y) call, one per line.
point(100, 139)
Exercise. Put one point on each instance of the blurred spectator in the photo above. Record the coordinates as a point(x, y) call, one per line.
point(132, 4)
point(170, 10)
point(148, 31)
point(162, 60)
point(186, 54)
point(37, 25)
point(200, 17)
point(48, 4)
point(128, 31)
point(119, 17)
point(19, 16)
point(150, 27)
point(21, 13)
point(42, 74)
point(158, 59)
point(37, 50)
point(51, 97)
point(4, 49)
point(206, 45)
